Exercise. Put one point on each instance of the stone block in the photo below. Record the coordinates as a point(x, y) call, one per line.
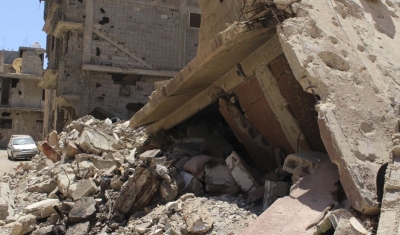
point(79, 229)
point(84, 188)
point(83, 210)
point(24, 225)
point(150, 154)
point(84, 170)
point(42, 209)
point(241, 173)
point(292, 214)
point(48, 230)
point(302, 164)
point(96, 141)
point(71, 150)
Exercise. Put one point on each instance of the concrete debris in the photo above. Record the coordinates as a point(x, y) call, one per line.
point(196, 217)
point(241, 173)
point(84, 209)
point(46, 186)
point(6, 202)
point(79, 229)
point(302, 164)
point(96, 141)
point(84, 188)
point(42, 209)
point(49, 152)
point(23, 225)
point(53, 139)
point(273, 191)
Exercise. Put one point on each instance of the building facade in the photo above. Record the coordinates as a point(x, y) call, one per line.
point(104, 56)
point(22, 100)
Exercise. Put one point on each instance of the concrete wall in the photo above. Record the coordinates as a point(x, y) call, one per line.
point(114, 96)
point(23, 123)
point(26, 94)
point(31, 63)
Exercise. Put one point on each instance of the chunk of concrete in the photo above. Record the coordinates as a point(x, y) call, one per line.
point(150, 154)
point(273, 191)
point(42, 209)
point(307, 199)
point(138, 192)
point(53, 138)
point(83, 210)
point(96, 141)
point(84, 170)
point(168, 191)
point(23, 225)
point(218, 179)
point(197, 218)
point(196, 165)
point(241, 173)
point(71, 150)
point(84, 188)
point(49, 152)
point(79, 229)
point(99, 162)
point(6, 201)
point(46, 186)
point(48, 230)
point(302, 164)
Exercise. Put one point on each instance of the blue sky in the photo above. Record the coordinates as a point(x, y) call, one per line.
point(21, 23)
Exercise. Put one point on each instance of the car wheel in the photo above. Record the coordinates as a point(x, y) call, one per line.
point(8, 156)
point(12, 157)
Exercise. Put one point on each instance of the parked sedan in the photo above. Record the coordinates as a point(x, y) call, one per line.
point(21, 146)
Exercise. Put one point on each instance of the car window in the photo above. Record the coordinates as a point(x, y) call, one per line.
point(21, 141)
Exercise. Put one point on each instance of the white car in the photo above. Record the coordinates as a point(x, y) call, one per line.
point(21, 146)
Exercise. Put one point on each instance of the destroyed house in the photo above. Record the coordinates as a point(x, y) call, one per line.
point(22, 100)
point(105, 56)
point(300, 79)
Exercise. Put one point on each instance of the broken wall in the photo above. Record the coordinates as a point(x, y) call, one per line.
point(20, 123)
point(26, 94)
point(31, 63)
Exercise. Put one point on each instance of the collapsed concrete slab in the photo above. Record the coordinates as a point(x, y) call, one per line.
point(308, 198)
point(96, 141)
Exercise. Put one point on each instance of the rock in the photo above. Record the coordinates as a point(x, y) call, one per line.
point(307, 199)
point(65, 182)
point(48, 230)
point(116, 183)
point(46, 186)
point(241, 173)
point(84, 170)
point(6, 201)
point(172, 206)
point(84, 188)
point(273, 191)
point(96, 141)
point(71, 150)
point(53, 194)
point(218, 179)
point(53, 219)
point(168, 191)
point(53, 138)
point(197, 218)
point(97, 161)
point(131, 159)
point(24, 225)
point(137, 192)
point(302, 164)
point(150, 154)
point(49, 152)
point(79, 229)
point(84, 210)
point(42, 209)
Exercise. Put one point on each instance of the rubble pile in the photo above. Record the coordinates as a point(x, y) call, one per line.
point(103, 177)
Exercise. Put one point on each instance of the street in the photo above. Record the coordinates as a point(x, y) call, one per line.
point(5, 164)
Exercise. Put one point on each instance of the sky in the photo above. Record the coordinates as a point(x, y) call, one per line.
point(21, 23)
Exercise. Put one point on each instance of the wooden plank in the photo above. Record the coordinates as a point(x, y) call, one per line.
point(122, 48)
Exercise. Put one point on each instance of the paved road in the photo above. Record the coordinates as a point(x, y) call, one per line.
point(5, 164)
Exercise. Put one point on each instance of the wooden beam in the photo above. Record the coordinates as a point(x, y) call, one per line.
point(20, 76)
point(109, 69)
point(122, 48)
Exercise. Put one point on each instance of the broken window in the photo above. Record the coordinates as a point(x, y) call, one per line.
point(14, 82)
point(43, 94)
point(194, 20)
point(6, 123)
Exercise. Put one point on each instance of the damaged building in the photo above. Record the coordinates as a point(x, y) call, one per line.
point(105, 56)
point(286, 121)
point(22, 100)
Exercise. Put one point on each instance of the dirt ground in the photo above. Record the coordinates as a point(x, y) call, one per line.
point(5, 164)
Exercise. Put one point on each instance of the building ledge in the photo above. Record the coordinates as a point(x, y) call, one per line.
point(49, 80)
point(47, 26)
point(7, 108)
point(20, 76)
point(64, 26)
point(109, 69)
